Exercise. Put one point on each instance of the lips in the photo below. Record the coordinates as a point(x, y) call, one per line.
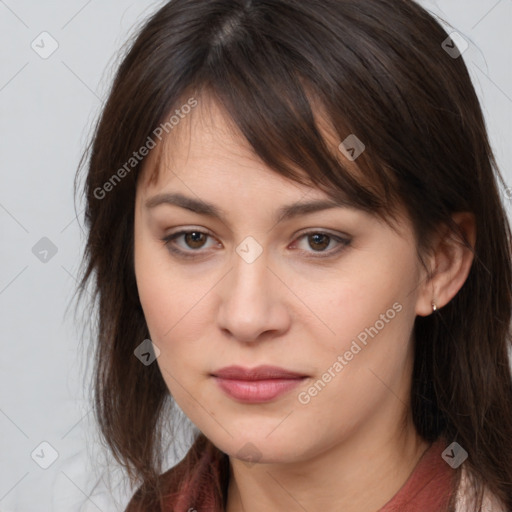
point(256, 385)
point(264, 372)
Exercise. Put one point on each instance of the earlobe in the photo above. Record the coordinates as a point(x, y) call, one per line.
point(451, 262)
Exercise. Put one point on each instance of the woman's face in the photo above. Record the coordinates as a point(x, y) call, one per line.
point(248, 289)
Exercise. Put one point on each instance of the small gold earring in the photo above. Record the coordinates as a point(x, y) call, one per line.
point(434, 307)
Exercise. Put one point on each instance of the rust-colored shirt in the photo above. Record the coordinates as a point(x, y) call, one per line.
point(204, 477)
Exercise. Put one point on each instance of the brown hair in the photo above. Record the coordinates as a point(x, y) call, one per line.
point(379, 70)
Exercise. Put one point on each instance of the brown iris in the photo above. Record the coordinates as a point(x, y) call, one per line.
point(195, 237)
point(317, 240)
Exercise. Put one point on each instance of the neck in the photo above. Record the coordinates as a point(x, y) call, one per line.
point(360, 474)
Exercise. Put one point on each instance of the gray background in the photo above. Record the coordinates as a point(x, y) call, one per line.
point(47, 108)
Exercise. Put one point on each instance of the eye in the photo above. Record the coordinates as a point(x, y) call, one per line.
point(319, 241)
point(194, 239)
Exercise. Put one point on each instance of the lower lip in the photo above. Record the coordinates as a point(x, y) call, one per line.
point(257, 391)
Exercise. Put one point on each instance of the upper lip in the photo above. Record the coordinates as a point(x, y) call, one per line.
point(258, 373)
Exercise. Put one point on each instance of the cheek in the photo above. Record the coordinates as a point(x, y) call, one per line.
point(173, 312)
point(367, 368)
point(370, 315)
point(173, 315)
point(175, 308)
point(160, 301)
point(364, 298)
point(165, 294)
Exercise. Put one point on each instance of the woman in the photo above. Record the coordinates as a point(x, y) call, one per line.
point(297, 236)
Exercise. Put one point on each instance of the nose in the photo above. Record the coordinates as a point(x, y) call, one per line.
point(252, 303)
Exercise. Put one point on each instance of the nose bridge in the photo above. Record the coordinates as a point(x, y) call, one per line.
point(250, 273)
point(250, 302)
point(249, 280)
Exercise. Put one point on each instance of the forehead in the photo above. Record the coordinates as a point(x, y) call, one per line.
point(207, 138)
point(203, 135)
point(206, 156)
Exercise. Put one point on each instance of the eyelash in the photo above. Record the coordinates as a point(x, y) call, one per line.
point(344, 242)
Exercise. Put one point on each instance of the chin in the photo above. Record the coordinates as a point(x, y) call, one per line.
point(260, 448)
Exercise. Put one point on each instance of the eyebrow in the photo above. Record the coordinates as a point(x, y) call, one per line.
point(204, 208)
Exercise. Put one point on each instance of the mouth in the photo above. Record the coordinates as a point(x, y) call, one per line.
point(256, 385)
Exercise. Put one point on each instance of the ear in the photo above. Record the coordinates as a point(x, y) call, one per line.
point(450, 262)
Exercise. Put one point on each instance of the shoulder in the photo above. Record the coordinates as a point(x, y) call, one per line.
point(463, 503)
point(199, 478)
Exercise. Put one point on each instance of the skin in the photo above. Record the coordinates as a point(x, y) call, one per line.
point(353, 445)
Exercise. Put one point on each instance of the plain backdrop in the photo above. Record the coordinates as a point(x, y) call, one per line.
point(48, 104)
